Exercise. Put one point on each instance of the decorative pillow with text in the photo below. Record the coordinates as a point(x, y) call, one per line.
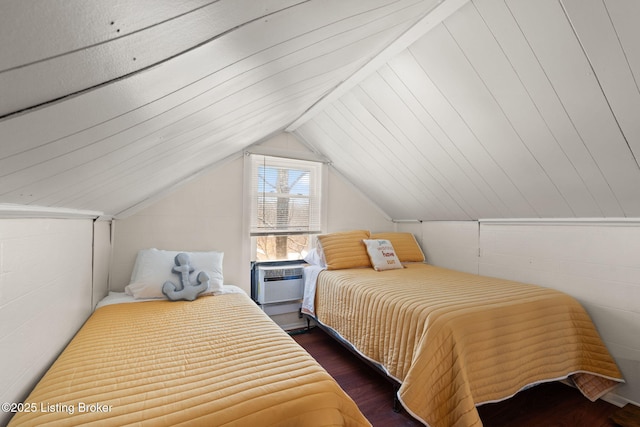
point(382, 254)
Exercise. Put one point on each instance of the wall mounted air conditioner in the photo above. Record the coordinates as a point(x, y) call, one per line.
point(279, 283)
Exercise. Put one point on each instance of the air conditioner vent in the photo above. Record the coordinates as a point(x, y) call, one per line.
point(279, 283)
point(281, 273)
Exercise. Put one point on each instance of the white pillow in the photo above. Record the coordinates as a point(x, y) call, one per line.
point(382, 254)
point(153, 267)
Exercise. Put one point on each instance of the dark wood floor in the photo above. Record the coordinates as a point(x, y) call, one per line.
point(553, 404)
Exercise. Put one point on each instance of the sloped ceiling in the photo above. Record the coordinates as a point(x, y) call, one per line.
point(107, 103)
point(512, 108)
point(507, 108)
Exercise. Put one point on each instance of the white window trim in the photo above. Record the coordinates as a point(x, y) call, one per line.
point(249, 252)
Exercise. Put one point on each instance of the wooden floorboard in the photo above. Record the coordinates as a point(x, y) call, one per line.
point(552, 404)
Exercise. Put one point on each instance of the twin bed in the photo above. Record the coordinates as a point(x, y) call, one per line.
point(451, 341)
point(215, 361)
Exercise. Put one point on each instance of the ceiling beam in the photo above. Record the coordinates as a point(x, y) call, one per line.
point(10, 210)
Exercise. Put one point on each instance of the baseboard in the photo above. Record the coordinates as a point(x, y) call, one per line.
point(617, 400)
point(293, 326)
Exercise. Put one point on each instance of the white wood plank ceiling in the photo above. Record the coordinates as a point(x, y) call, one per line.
point(513, 108)
point(506, 108)
point(107, 103)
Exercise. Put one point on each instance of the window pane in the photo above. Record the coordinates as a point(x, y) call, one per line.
point(285, 196)
point(278, 248)
point(285, 206)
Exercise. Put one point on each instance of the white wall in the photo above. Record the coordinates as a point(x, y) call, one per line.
point(101, 257)
point(207, 214)
point(450, 244)
point(45, 296)
point(597, 262)
point(203, 215)
point(347, 209)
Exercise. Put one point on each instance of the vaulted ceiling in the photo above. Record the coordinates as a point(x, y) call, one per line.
point(434, 110)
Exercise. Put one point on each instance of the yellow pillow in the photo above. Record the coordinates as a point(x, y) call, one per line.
point(344, 249)
point(405, 245)
point(382, 255)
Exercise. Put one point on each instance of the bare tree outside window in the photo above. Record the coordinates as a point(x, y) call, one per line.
point(284, 207)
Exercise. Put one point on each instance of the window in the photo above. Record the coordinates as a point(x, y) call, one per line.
point(285, 206)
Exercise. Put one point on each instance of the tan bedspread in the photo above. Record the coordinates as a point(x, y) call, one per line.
point(456, 340)
point(217, 361)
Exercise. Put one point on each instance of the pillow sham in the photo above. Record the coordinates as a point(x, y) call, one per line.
point(382, 255)
point(153, 268)
point(405, 245)
point(344, 249)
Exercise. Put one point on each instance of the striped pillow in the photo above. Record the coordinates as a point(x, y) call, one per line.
point(344, 249)
point(405, 245)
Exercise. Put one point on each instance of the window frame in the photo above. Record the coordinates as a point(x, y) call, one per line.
point(250, 197)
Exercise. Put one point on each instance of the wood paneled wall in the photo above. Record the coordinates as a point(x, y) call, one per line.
point(45, 296)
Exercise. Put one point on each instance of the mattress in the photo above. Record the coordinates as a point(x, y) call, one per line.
point(456, 340)
point(216, 361)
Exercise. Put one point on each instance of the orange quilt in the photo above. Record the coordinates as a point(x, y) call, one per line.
point(216, 361)
point(455, 340)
